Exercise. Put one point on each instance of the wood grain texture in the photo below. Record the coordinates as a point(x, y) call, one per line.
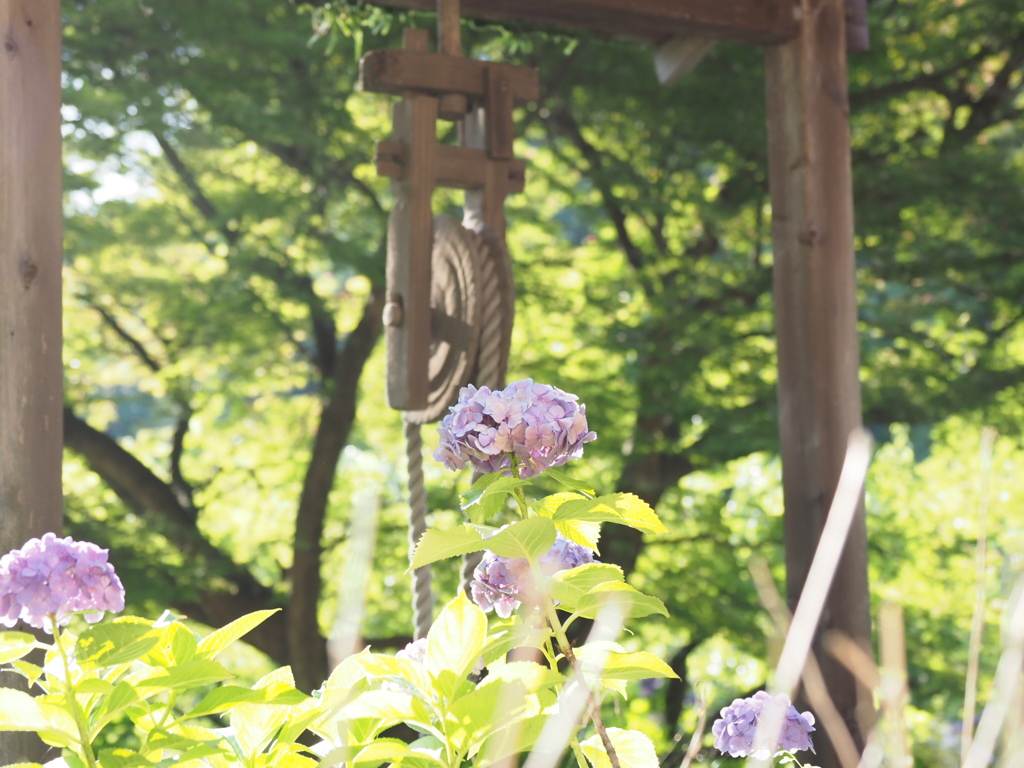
point(434, 74)
point(752, 21)
point(453, 106)
point(457, 167)
point(816, 317)
point(31, 400)
point(410, 238)
point(500, 129)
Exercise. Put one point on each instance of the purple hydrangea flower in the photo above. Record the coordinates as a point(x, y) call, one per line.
point(734, 731)
point(540, 425)
point(503, 583)
point(57, 577)
point(414, 651)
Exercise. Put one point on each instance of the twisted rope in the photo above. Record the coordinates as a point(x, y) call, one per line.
point(422, 595)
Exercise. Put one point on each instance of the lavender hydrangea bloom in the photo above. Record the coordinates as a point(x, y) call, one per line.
point(57, 577)
point(540, 425)
point(503, 583)
point(734, 731)
point(414, 651)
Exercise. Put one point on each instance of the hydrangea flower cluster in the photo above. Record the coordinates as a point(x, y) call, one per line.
point(540, 425)
point(502, 583)
point(734, 731)
point(414, 651)
point(52, 577)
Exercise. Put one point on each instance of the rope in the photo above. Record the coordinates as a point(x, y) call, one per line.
point(422, 595)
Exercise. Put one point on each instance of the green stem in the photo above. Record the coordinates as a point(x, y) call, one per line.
point(517, 493)
point(69, 692)
point(578, 751)
point(171, 699)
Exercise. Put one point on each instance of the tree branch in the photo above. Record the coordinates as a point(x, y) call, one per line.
point(151, 498)
point(137, 346)
point(308, 652)
point(563, 122)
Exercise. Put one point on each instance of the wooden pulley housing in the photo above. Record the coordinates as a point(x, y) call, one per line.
point(449, 287)
point(455, 315)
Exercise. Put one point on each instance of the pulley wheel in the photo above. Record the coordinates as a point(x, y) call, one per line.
point(455, 315)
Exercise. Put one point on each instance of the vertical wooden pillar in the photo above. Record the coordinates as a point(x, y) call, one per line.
point(816, 317)
point(30, 288)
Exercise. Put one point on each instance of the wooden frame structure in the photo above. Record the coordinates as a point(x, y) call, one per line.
point(811, 193)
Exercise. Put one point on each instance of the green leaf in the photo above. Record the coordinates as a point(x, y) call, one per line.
point(440, 545)
point(382, 705)
point(581, 532)
point(547, 506)
point(531, 674)
point(623, 508)
point(191, 674)
point(223, 698)
point(529, 538)
point(31, 672)
point(94, 685)
point(633, 749)
point(392, 751)
point(20, 712)
point(456, 639)
point(14, 645)
point(488, 495)
point(634, 604)
point(219, 639)
point(568, 482)
point(475, 716)
point(635, 666)
point(106, 645)
point(572, 585)
point(121, 758)
point(122, 697)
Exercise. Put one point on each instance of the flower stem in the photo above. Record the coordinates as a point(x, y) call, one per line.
point(76, 710)
point(578, 751)
point(595, 707)
point(517, 493)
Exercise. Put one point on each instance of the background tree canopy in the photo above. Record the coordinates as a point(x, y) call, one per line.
point(224, 265)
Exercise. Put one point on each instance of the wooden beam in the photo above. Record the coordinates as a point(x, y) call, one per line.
point(679, 56)
point(751, 21)
point(457, 167)
point(816, 320)
point(434, 74)
point(31, 380)
point(410, 244)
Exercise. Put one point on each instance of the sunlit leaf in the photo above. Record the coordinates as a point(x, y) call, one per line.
point(631, 602)
point(14, 645)
point(456, 638)
point(440, 545)
point(623, 508)
point(632, 748)
point(528, 538)
point(219, 639)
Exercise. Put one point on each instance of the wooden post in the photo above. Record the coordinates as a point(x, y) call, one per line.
point(31, 408)
point(816, 319)
point(410, 242)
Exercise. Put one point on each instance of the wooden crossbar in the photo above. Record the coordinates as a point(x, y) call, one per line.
point(750, 21)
